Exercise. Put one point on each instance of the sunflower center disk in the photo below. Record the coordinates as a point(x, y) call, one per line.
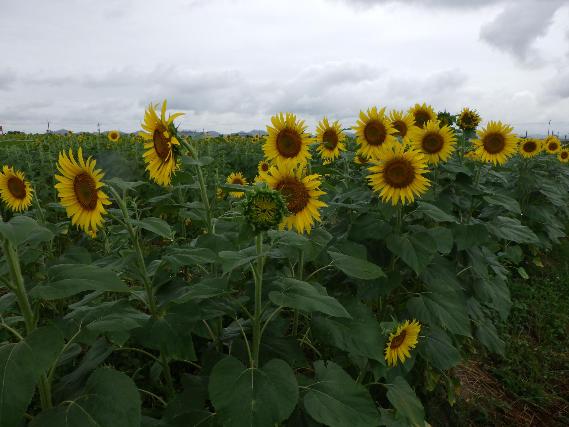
point(399, 173)
point(422, 117)
point(237, 181)
point(564, 155)
point(530, 147)
point(398, 340)
point(330, 139)
point(494, 143)
point(265, 167)
point(432, 143)
point(401, 128)
point(161, 144)
point(289, 143)
point(17, 188)
point(295, 193)
point(85, 191)
point(265, 210)
point(552, 146)
point(375, 133)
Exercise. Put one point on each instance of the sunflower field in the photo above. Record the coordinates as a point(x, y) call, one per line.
point(325, 277)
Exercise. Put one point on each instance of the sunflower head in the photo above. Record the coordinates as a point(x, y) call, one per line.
point(374, 132)
point(495, 143)
point(114, 136)
point(468, 120)
point(552, 144)
point(530, 147)
point(403, 339)
point(330, 139)
point(264, 208)
point(236, 178)
point(287, 141)
point(360, 158)
point(563, 155)
point(15, 191)
point(445, 118)
point(435, 142)
point(422, 114)
point(263, 167)
point(403, 123)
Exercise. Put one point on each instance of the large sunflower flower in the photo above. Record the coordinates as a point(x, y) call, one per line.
point(422, 114)
point(399, 175)
point(79, 189)
point(114, 135)
point(530, 147)
point(552, 144)
point(404, 124)
point(330, 139)
point(160, 144)
point(301, 194)
point(468, 119)
point(401, 341)
point(15, 190)
point(435, 142)
point(287, 141)
point(374, 132)
point(236, 178)
point(563, 155)
point(495, 143)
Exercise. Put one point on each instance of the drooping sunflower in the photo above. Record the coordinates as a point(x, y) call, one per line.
point(238, 179)
point(398, 175)
point(404, 123)
point(301, 194)
point(80, 192)
point(552, 144)
point(330, 139)
point(530, 147)
point(287, 141)
point(468, 120)
point(374, 132)
point(114, 135)
point(422, 114)
point(161, 144)
point(401, 341)
point(15, 190)
point(563, 155)
point(435, 142)
point(263, 167)
point(495, 143)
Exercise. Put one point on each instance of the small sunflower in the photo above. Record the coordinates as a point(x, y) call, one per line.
point(114, 136)
point(399, 175)
point(79, 189)
point(238, 179)
point(468, 120)
point(287, 141)
point(374, 132)
point(530, 147)
point(401, 341)
point(435, 142)
point(330, 139)
point(422, 114)
point(472, 155)
point(264, 208)
point(301, 194)
point(563, 155)
point(495, 143)
point(160, 144)
point(404, 124)
point(263, 167)
point(552, 144)
point(15, 190)
point(360, 158)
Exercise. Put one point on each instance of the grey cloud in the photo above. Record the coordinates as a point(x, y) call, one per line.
point(7, 79)
point(454, 4)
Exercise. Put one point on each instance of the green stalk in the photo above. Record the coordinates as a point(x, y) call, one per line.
point(258, 277)
point(300, 276)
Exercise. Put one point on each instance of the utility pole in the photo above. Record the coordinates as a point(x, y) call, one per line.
point(99, 128)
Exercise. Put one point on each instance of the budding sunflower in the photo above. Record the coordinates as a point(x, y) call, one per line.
point(468, 120)
point(445, 118)
point(264, 208)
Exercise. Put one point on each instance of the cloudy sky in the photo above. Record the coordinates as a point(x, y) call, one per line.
point(231, 64)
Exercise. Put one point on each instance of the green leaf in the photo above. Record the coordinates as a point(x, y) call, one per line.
point(406, 402)
point(303, 296)
point(70, 279)
point(250, 397)
point(110, 399)
point(468, 236)
point(230, 260)
point(443, 239)
point(356, 267)
point(22, 229)
point(416, 250)
point(437, 348)
point(504, 201)
point(181, 257)
point(21, 366)
point(336, 400)
point(434, 212)
point(512, 229)
point(155, 225)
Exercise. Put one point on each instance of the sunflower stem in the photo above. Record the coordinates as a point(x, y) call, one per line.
point(296, 317)
point(258, 277)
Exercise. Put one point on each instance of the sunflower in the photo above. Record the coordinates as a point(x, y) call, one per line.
point(374, 132)
point(435, 142)
point(563, 155)
point(287, 142)
point(360, 158)
point(552, 144)
point(495, 143)
point(399, 175)
point(236, 178)
point(472, 155)
point(79, 189)
point(263, 167)
point(468, 120)
point(264, 208)
point(530, 147)
point(404, 123)
point(301, 194)
point(114, 136)
point(330, 139)
point(160, 144)
point(401, 341)
point(15, 190)
point(422, 114)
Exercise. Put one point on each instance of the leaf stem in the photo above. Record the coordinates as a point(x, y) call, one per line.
point(258, 276)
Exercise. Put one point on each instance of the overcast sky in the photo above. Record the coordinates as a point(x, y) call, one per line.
point(231, 64)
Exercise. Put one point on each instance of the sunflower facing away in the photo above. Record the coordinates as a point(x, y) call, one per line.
point(301, 194)
point(238, 179)
point(399, 175)
point(422, 114)
point(495, 143)
point(401, 341)
point(404, 124)
point(552, 144)
point(330, 139)
point(530, 147)
point(287, 141)
point(374, 132)
point(435, 142)
point(468, 120)
point(114, 136)
point(160, 144)
point(563, 155)
point(79, 190)
point(15, 190)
